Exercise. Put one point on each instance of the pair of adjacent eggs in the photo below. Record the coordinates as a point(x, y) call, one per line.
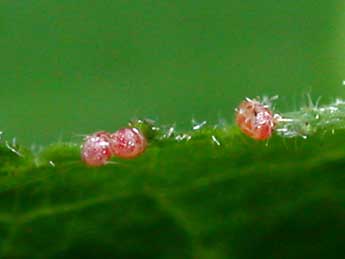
point(99, 147)
point(253, 118)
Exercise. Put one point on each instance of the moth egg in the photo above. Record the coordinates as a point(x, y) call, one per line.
point(96, 149)
point(255, 120)
point(128, 143)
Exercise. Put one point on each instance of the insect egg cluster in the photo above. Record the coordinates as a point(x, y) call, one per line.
point(99, 147)
point(254, 118)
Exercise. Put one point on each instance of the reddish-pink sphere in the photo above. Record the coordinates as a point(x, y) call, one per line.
point(255, 120)
point(96, 150)
point(128, 143)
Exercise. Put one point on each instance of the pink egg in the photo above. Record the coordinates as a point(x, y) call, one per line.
point(128, 143)
point(255, 120)
point(96, 149)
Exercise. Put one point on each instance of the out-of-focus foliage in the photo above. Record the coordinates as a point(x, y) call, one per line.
point(70, 67)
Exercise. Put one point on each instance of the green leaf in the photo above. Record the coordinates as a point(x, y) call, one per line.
point(214, 194)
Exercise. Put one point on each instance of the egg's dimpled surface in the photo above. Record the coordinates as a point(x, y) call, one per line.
point(96, 150)
point(255, 120)
point(128, 143)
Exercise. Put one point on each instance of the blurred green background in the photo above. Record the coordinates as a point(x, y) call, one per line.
point(73, 67)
